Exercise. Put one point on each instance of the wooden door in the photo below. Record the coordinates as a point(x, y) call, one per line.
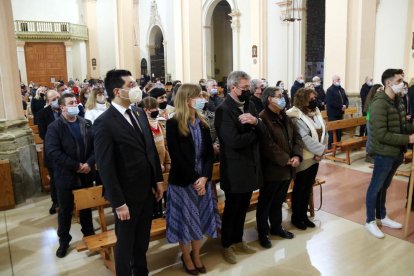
point(45, 61)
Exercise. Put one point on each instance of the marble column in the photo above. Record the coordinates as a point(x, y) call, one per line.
point(235, 26)
point(16, 138)
point(69, 59)
point(21, 59)
point(92, 45)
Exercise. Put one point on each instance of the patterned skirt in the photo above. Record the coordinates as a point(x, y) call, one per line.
point(190, 216)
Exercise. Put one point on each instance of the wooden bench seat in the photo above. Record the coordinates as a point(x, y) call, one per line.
point(348, 144)
point(105, 241)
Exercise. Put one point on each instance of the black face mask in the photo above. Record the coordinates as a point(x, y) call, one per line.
point(245, 96)
point(154, 114)
point(313, 105)
point(162, 105)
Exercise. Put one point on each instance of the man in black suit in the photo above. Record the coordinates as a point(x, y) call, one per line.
point(45, 117)
point(130, 170)
point(336, 103)
point(363, 93)
point(298, 84)
point(238, 129)
point(69, 145)
point(320, 98)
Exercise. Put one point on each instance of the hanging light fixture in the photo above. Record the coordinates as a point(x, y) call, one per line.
point(290, 8)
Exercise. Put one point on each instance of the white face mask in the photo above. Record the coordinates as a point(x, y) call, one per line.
point(397, 88)
point(404, 91)
point(317, 84)
point(301, 81)
point(134, 94)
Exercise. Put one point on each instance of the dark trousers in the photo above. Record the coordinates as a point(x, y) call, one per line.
point(302, 191)
point(338, 132)
point(53, 193)
point(269, 206)
point(234, 215)
point(362, 129)
point(65, 199)
point(133, 237)
point(384, 170)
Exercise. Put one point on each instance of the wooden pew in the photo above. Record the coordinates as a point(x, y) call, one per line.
point(6, 186)
point(350, 111)
point(34, 128)
point(348, 144)
point(105, 241)
point(30, 120)
point(44, 173)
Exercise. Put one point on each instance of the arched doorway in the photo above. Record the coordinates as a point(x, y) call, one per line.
point(156, 53)
point(218, 41)
point(144, 67)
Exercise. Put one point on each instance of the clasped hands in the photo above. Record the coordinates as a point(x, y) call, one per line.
point(294, 161)
point(200, 186)
point(248, 118)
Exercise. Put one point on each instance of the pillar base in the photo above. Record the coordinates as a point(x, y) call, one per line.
point(17, 146)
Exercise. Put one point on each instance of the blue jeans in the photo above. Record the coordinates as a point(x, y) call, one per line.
point(384, 170)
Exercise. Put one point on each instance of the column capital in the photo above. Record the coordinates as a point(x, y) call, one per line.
point(68, 44)
point(20, 43)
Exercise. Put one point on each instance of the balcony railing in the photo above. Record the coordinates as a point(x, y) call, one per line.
point(49, 30)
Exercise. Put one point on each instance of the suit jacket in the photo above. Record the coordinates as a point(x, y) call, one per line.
point(410, 103)
point(128, 162)
point(44, 118)
point(335, 99)
point(63, 150)
point(240, 168)
point(295, 87)
point(280, 143)
point(363, 93)
point(320, 98)
point(182, 153)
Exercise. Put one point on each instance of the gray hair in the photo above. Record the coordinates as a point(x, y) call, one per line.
point(234, 78)
point(316, 78)
point(253, 84)
point(210, 82)
point(269, 92)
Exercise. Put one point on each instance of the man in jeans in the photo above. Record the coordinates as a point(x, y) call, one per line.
point(389, 136)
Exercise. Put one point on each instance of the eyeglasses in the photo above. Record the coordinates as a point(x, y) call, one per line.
point(243, 88)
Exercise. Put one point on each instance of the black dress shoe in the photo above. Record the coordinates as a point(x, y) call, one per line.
point(201, 269)
point(53, 208)
point(264, 241)
point(309, 223)
point(189, 271)
point(62, 250)
point(282, 233)
point(299, 224)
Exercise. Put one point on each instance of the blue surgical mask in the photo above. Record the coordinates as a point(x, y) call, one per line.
point(55, 104)
point(213, 91)
point(73, 110)
point(199, 104)
point(280, 102)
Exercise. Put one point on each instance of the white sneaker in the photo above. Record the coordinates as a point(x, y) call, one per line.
point(374, 230)
point(390, 223)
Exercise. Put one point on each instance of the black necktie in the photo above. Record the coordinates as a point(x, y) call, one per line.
point(133, 121)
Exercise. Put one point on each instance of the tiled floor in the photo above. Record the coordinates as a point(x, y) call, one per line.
point(337, 246)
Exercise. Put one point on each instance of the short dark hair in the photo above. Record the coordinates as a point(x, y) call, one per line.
point(114, 79)
point(150, 103)
point(269, 91)
point(389, 73)
point(62, 98)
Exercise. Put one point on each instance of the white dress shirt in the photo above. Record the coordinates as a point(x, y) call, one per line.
point(123, 110)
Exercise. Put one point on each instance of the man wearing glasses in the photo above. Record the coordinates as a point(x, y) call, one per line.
point(238, 129)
